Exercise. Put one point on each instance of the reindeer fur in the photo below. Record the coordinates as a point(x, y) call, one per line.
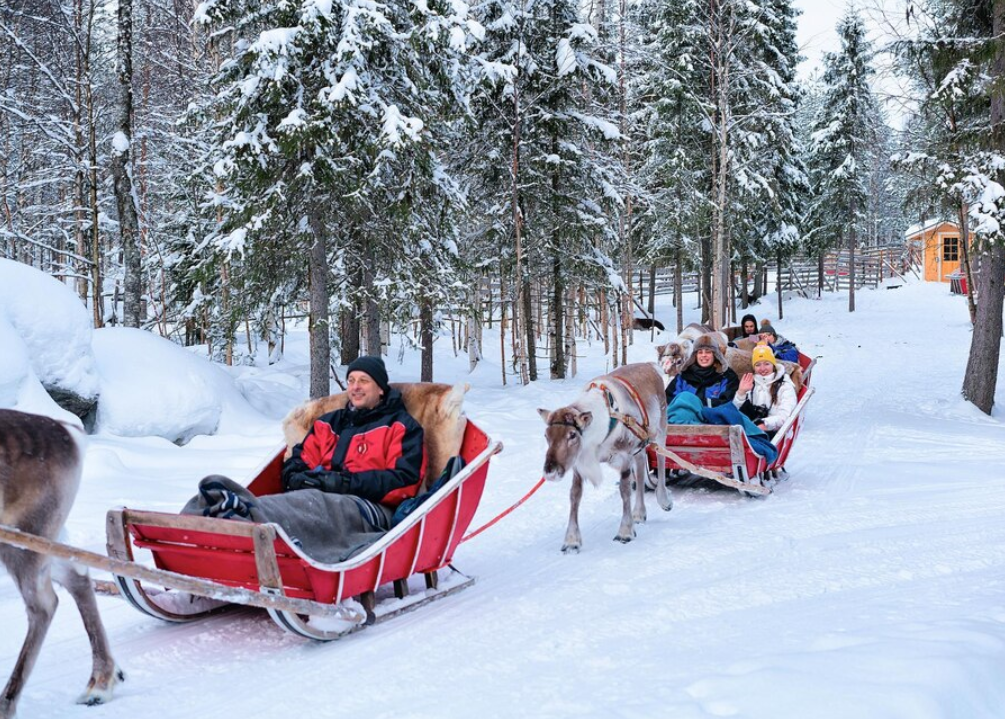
point(580, 439)
point(40, 466)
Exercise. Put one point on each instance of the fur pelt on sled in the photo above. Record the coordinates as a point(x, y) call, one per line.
point(435, 406)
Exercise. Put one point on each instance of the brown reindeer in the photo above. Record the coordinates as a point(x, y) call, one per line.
point(40, 465)
point(611, 422)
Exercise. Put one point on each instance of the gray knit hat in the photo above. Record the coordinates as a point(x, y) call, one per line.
point(706, 342)
point(373, 366)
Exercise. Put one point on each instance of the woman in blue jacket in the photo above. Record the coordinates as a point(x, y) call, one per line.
point(706, 375)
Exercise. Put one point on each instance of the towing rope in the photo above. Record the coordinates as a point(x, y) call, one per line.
point(471, 535)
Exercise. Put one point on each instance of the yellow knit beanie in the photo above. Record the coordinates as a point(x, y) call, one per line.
point(762, 353)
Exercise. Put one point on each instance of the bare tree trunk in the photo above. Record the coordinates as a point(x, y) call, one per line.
point(615, 328)
point(778, 284)
point(570, 334)
point(349, 323)
point(373, 344)
point(820, 275)
point(651, 301)
point(557, 320)
point(678, 290)
point(122, 172)
point(852, 239)
point(523, 322)
point(426, 338)
point(744, 278)
point(502, 324)
point(474, 343)
point(318, 323)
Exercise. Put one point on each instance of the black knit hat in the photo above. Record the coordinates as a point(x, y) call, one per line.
point(769, 329)
point(373, 366)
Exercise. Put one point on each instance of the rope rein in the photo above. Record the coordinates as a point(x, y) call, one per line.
point(475, 533)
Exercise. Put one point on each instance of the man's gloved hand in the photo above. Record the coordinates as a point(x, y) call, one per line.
point(334, 482)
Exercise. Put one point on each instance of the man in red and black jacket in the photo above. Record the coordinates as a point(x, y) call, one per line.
point(371, 449)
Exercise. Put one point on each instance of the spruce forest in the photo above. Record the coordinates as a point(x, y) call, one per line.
point(410, 170)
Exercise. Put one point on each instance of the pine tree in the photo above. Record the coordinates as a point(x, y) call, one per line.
point(958, 57)
point(539, 140)
point(843, 137)
point(327, 117)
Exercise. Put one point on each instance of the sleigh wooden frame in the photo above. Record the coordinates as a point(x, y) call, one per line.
point(227, 561)
point(724, 454)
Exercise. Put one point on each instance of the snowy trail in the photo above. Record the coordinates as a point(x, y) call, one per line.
point(869, 585)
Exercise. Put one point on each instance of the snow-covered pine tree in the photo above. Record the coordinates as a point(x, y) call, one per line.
point(671, 135)
point(325, 114)
point(539, 140)
point(843, 137)
point(772, 183)
point(957, 57)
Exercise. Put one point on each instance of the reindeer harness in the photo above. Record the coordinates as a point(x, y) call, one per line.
point(633, 425)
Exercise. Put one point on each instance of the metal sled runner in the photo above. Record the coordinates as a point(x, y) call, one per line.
point(723, 454)
point(225, 560)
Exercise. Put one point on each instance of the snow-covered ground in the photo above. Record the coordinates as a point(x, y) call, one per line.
point(870, 585)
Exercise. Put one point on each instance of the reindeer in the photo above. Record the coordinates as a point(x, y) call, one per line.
point(40, 466)
point(611, 422)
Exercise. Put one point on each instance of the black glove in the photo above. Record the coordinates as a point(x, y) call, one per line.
point(334, 482)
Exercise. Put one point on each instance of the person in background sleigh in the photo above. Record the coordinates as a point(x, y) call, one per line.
point(370, 449)
point(767, 396)
point(781, 348)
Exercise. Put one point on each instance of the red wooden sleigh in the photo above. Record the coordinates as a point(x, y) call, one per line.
point(213, 562)
point(723, 453)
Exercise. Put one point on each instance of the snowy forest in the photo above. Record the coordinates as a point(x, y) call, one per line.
point(430, 168)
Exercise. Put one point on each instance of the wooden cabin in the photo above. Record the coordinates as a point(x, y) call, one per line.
point(937, 243)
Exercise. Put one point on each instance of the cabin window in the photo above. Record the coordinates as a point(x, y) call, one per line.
point(951, 249)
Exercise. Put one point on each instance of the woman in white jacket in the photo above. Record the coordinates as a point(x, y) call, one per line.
point(767, 396)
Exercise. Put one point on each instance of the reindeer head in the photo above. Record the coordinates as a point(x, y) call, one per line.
point(671, 356)
point(564, 433)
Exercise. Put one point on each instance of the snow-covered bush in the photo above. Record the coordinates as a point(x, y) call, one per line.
point(152, 387)
point(45, 333)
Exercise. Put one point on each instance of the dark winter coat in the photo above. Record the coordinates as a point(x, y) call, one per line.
point(711, 386)
point(376, 454)
point(785, 350)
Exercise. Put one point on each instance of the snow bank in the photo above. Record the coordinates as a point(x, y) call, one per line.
point(45, 333)
point(152, 387)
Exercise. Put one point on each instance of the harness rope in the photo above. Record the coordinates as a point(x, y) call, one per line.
point(475, 533)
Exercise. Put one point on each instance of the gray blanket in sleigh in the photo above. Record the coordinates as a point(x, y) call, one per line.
point(329, 528)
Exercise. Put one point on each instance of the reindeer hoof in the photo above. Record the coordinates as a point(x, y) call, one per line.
point(570, 549)
point(623, 540)
point(639, 519)
point(93, 695)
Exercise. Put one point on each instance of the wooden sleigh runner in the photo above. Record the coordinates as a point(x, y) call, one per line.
point(724, 455)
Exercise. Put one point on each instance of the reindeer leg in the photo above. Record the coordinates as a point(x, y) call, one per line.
point(640, 470)
point(30, 573)
point(573, 537)
point(104, 673)
point(626, 532)
point(663, 496)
